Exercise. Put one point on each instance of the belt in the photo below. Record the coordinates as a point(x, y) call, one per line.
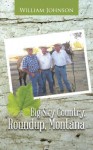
point(59, 66)
point(45, 69)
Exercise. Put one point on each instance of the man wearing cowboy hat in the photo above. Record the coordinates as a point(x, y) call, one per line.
point(61, 59)
point(45, 61)
point(30, 65)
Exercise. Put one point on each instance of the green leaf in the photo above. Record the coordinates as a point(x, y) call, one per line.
point(35, 104)
point(12, 106)
point(23, 101)
point(26, 111)
point(24, 96)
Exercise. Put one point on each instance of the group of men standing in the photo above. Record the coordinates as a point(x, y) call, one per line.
point(39, 67)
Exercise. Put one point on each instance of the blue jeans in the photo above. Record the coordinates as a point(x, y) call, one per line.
point(47, 75)
point(61, 74)
point(37, 84)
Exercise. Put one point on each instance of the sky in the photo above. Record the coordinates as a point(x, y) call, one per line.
point(15, 46)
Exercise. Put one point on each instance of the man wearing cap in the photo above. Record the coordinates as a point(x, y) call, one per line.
point(45, 61)
point(30, 65)
point(61, 59)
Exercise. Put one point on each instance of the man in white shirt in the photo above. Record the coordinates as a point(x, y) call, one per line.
point(61, 59)
point(45, 62)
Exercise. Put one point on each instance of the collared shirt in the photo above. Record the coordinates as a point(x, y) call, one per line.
point(30, 63)
point(45, 61)
point(61, 58)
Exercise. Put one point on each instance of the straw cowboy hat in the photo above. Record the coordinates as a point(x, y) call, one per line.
point(57, 44)
point(43, 46)
point(26, 49)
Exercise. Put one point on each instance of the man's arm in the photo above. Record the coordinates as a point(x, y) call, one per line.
point(38, 56)
point(29, 73)
point(52, 63)
point(25, 67)
point(25, 70)
point(68, 59)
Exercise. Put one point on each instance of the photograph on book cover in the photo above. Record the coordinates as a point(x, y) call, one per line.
point(55, 64)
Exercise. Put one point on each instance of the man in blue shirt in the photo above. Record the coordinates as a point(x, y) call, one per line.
point(30, 65)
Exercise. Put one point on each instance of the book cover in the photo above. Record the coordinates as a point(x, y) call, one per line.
point(46, 60)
